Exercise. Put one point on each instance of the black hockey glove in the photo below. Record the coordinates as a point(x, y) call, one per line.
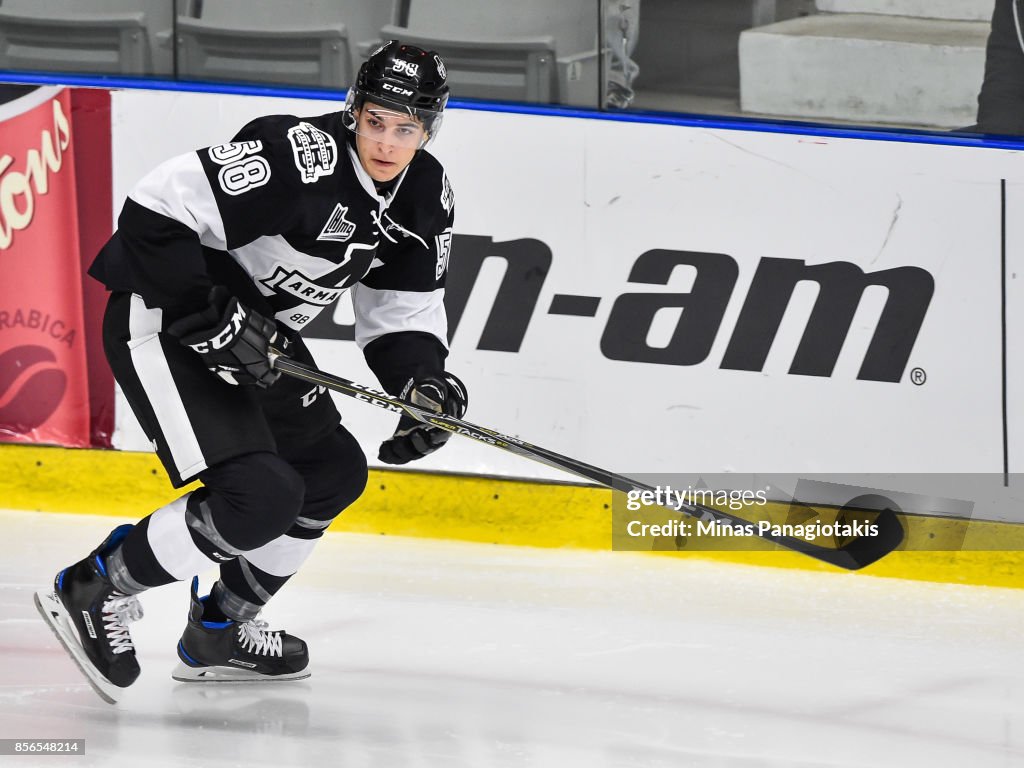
point(232, 339)
point(441, 393)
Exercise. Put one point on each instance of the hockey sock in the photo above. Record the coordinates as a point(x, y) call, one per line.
point(133, 567)
point(248, 501)
point(249, 581)
point(333, 472)
point(163, 548)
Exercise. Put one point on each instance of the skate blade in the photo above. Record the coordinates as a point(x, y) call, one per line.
point(186, 674)
point(56, 616)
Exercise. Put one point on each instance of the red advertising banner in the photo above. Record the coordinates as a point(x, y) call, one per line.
point(90, 124)
point(44, 395)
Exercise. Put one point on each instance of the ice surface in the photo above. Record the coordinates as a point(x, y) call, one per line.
point(428, 653)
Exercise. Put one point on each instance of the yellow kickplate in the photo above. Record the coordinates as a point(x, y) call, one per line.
point(471, 508)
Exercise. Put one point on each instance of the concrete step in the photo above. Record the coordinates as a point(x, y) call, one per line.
point(956, 10)
point(865, 68)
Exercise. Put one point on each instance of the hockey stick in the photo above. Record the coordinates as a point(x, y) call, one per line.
point(857, 554)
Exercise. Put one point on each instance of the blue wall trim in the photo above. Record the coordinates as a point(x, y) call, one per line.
point(656, 118)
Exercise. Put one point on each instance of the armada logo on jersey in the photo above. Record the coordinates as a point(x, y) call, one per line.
point(316, 152)
point(338, 229)
point(297, 284)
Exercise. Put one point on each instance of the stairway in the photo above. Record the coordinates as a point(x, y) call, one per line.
point(902, 62)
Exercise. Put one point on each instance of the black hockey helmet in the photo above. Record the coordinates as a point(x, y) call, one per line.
point(404, 78)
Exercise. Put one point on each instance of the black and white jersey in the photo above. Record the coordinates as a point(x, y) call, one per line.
point(288, 219)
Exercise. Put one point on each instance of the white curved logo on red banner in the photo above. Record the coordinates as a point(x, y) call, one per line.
point(44, 395)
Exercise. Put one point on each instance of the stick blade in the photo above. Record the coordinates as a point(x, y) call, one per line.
point(865, 550)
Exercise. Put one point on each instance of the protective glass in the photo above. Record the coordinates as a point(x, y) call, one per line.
point(399, 129)
point(390, 124)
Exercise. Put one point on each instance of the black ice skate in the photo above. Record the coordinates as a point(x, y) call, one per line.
point(232, 651)
point(90, 618)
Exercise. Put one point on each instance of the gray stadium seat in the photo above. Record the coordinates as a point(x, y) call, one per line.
point(531, 50)
point(103, 36)
point(299, 42)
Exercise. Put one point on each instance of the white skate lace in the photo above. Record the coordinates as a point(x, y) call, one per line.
point(256, 639)
point(118, 612)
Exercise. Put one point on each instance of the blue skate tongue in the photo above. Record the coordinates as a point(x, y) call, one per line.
point(217, 624)
point(219, 620)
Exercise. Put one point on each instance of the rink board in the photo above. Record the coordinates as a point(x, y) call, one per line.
point(623, 274)
point(619, 302)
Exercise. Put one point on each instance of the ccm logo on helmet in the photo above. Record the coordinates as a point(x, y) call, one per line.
point(396, 89)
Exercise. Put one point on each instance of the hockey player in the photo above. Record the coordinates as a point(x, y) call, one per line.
point(221, 254)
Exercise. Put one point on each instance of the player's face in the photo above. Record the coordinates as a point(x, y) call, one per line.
point(386, 140)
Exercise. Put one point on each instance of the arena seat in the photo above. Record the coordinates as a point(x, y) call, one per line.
point(301, 42)
point(101, 36)
point(533, 50)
